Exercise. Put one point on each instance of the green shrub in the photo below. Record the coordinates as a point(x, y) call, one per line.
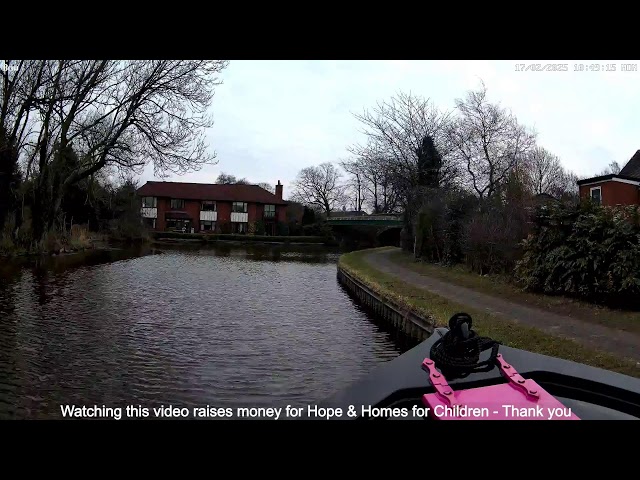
point(429, 232)
point(584, 251)
point(317, 229)
point(259, 228)
point(440, 226)
point(282, 229)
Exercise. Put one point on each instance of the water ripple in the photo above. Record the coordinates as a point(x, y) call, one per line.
point(216, 327)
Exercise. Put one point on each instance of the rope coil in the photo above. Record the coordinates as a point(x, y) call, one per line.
point(457, 353)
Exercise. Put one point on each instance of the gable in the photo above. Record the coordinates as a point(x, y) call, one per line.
point(632, 168)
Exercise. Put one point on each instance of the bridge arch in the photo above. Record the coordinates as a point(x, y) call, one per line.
point(389, 236)
point(370, 230)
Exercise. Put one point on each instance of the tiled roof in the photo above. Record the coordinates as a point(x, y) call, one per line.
point(210, 191)
point(632, 168)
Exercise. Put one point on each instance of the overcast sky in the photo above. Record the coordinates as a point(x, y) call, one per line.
point(273, 118)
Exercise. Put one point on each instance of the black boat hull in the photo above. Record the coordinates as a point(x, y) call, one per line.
point(591, 393)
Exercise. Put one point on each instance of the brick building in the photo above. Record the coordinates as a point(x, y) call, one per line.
point(219, 208)
point(615, 189)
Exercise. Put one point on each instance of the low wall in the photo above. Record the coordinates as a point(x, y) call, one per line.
point(406, 321)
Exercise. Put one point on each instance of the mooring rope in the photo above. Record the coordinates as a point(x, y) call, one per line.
point(457, 353)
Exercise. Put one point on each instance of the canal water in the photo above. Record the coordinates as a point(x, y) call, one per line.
point(198, 327)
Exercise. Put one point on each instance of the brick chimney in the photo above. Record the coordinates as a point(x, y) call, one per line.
point(279, 190)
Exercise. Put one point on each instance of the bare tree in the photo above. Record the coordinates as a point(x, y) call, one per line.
point(567, 187)
point(227, 179)
point(374, 179)
point(395, 130)
point(356, 188)
point(544, 171)
point(20, 80)
point(489, 142)
point(613, 168)
point(267, 186)
point(79, 116)
point(380, 182)
point(319, 187)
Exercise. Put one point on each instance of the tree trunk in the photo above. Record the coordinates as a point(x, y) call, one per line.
point(47, 202)
point(40, 214)
point(407, 234)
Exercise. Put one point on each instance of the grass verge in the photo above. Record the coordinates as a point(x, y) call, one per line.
point(507, 332)
point(500, 287)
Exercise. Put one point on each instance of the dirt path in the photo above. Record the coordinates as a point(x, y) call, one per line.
point(607, 339)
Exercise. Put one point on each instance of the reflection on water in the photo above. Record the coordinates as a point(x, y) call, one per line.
point(222, 326)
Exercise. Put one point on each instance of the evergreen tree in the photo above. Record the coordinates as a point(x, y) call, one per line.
point(429, 164)
point(428, 177)
point(308, 216)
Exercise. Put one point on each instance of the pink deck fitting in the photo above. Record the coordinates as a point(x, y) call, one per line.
point(519, 399)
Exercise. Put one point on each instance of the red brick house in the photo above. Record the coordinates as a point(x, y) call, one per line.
point(219, 208)
point(614, 189)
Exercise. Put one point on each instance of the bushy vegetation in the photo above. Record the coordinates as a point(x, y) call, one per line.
point(92, 210)
point(584, 251)
point(456, 227)
point(440, 226)
point(317, 229)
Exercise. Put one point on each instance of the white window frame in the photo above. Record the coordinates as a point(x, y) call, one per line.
point(591, 190)
point(154, 202)
point(245, 207)
point(184, 203)
point(269, 213)
point(211, 202)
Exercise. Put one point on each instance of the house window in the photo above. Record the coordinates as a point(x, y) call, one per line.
point(208, 206)
point(269, 211)
point(239, 207)
point(240, 227)
point(149, 202)
point(149, 222)
point(596, 195)
point(207, 226)
point(177, 204)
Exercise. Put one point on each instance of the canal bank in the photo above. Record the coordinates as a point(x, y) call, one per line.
point(175, 237)
point(395, 314)
point(399, 290)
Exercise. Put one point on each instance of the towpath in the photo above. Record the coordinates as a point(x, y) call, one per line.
point(608, 339)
